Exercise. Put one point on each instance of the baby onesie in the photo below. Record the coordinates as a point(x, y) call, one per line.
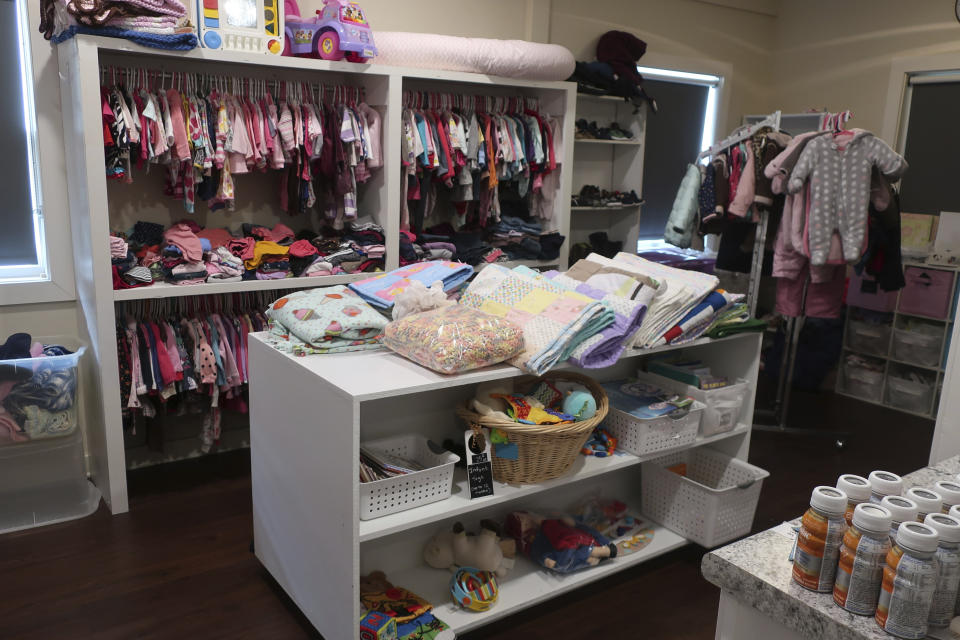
point(840, 189)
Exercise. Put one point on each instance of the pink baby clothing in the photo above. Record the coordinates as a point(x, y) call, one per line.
point(186, 240)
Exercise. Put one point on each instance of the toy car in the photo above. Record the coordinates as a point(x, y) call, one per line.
point(340, 29)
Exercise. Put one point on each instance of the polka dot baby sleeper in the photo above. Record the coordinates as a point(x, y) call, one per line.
point(839, 177)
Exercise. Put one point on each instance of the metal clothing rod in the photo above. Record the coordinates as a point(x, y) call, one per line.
point(772, 120)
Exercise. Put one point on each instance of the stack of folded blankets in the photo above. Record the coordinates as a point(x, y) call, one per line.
point(155, 23)
point(187, 253)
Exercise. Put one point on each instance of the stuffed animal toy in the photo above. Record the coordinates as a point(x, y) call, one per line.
point(559, 544)
point(484, 551)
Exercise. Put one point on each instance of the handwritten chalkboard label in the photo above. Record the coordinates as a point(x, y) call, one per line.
point(479, 468)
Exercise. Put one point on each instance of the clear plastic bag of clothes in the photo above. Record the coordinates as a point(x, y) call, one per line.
point(453, 339)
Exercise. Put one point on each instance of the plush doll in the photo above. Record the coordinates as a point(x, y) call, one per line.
point(559, 544)
point(484, 551)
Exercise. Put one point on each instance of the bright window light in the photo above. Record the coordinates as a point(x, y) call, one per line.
point(29, 272)
point(709, 120)
point(680, 76)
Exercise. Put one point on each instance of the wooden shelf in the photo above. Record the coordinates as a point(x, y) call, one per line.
point(526, 585)
point(168, 290)
point(459, 502)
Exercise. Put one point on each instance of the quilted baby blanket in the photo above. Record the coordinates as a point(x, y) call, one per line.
point(555, 321)
point(325, 320)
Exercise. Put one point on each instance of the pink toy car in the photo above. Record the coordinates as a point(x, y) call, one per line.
point(340, 29)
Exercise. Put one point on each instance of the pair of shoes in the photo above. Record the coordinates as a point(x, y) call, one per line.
point(590, 196)
point(630, 198)
point(617, 132)
point(586, 130)
point(601, 244)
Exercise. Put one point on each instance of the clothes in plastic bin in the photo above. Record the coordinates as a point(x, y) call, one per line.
point(862, 382)
point(865, 292)
point(867, 337)
point(909, 395)
point(722, 406)
point(918, 346)
point(44, 481)
point(927, 292)
point(38, 396)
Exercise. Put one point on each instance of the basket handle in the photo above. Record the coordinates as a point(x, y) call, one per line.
point(746, 484)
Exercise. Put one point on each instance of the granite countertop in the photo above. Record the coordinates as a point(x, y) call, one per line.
point(756, 572)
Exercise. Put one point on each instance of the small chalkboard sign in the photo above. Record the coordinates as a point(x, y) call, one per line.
point(479, 467)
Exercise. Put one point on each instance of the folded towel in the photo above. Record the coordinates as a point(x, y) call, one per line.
point(325, 320)
point(381, 289)
point(700, 318)
point(554, 320)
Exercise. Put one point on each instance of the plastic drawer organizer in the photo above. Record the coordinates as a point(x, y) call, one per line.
point(432, 484)
point(722, 406)
point(703, 495)
point(909, 395)
point(643, 437)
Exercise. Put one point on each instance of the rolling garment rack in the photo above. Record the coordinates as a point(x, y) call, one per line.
point(793, 328)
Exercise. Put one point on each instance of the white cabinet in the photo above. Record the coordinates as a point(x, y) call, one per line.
point(308, 417)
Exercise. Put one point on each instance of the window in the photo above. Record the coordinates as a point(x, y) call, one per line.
point(930, 127)
point(22, 245)
point(671, 143)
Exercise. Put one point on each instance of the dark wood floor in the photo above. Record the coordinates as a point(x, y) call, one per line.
point(179, 566)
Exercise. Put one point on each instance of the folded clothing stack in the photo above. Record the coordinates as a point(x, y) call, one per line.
point(324, 320)
point(523, 240)
point(381, 290)
point(154, 23)
point(187, 253)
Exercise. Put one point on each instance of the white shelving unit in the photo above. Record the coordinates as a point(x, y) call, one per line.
point(893, 365)
point(614, 165)
point(305, 471)
point(96, 207)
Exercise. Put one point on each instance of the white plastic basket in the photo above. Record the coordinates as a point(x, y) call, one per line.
point(643, 437)
point(434, 483)
point(722, 406)
point(713, 504)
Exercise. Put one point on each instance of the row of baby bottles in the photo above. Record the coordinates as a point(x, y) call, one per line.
point(893, 556)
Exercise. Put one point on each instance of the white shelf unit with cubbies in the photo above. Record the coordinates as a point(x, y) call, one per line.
point(98, 206)
point(611, 165)
point(909, 348)
point(309, 416)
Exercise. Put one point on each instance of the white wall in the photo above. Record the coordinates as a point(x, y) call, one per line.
point(838, 54)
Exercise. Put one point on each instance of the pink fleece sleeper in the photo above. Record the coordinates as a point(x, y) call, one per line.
point(839, 177)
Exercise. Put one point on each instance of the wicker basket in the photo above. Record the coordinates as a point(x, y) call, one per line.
point(545, 451)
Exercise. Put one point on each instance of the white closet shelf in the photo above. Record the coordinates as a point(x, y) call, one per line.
point(168, 290)
point(629, 143)
point(459, 502)
point(119, 45)
point(526, 584)
point(533, 264)
point(592, 98)
point(376, 374)
point(619, 207)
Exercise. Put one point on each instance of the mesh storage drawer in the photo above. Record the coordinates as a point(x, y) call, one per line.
point(434, 483)
point(712, 504)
